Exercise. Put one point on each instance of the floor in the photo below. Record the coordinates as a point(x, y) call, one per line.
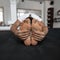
point(56, 25)
point(12, 48)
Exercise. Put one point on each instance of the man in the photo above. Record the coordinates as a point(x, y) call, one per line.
point(30, 28)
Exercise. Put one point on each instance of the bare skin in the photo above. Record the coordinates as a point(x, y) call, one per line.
point(39, 31)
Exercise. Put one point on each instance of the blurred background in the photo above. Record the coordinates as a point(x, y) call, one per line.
point(48, 10)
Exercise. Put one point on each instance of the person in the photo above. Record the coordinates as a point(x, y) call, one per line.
point(30, 28)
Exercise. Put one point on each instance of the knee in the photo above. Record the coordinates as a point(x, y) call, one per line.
point(33, 42)
point(27, 42)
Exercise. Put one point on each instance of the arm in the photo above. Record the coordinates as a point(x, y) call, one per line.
point(15, 26)
point(44, 28)
point(21, 34)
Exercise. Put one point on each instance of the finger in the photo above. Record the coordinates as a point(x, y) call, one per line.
point(23, 34)
point(38, 32)
point(38, 38)
point(38, 35)
point(22, 31)
point(35, 34)
point(24, 37)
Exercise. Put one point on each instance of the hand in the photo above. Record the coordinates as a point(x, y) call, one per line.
point(38, 35)
point(23, 34)
point(38, 32)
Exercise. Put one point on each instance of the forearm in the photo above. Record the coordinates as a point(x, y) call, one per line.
point(15, 26)
point(45, 30)
point(14, 30)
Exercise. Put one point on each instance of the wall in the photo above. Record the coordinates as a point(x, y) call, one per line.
point(6, 5)
point(27, 5)
point(56, 8)
point(31, 5)
point(46, 6)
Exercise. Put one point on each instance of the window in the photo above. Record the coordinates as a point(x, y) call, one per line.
point(21, 12)
point(1, 14)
